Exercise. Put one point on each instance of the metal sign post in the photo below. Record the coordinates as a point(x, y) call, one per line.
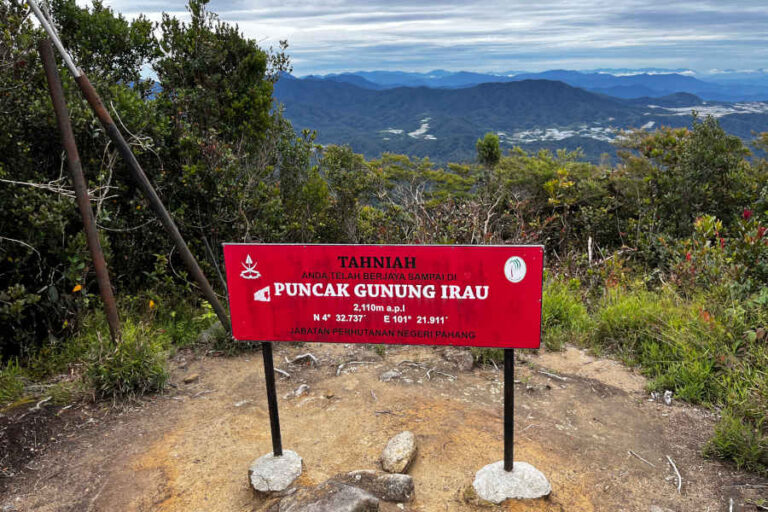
point(509, 408)
point(274, 419)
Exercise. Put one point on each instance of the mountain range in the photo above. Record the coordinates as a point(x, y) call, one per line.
point(721, 86)
point(443, 120)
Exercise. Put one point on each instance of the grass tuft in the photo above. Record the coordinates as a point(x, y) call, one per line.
point(740, 442)
point(134, 366)
point(564, 316)
point(11, 382)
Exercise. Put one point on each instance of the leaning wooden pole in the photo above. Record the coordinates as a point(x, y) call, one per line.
point(80, 186)
point(135, 168)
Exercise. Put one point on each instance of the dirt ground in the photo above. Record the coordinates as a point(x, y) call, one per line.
point(586, 426)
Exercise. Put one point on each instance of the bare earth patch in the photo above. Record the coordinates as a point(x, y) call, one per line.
point(189, 449)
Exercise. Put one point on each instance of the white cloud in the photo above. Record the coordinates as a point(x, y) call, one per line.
point(498, 35)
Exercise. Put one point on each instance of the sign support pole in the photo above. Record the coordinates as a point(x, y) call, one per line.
point(509, 408)
point(269, 377)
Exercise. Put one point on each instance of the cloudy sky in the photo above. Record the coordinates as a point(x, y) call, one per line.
point(498, 35)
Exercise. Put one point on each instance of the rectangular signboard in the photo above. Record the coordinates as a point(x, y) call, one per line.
point(484, 296)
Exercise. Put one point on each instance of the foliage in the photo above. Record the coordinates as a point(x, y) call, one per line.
point(105, 44)
point(134, 366)
point(488, 150)
point(564, 316)
point(349, 179)
point(214, 78)
point(676, 175)
point(739, 441)
point(206, 137)
point(485, 356)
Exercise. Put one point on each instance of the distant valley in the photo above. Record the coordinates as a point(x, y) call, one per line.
point(444, 120)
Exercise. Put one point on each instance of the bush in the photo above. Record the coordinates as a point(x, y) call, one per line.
point(564, 316)
point(484, 355)
point(740, 442)
point(134, 366)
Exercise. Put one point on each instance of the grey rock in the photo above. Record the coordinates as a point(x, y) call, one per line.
point(274, 474)
point(399, 453)
point(656, 508)
point(460, 357)
point(330, 497)
point(212, 334)
point(389, 375)
point(668, 397)
point(494, 484)
point(385, 486)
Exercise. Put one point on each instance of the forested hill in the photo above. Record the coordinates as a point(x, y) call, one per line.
point(444, 124)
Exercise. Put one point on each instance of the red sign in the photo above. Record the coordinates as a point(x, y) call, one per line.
point(483, 296)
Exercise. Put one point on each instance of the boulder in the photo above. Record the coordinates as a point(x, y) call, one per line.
point(212, 334)
point(330, 497)
point(399, 453)
point(385, 486)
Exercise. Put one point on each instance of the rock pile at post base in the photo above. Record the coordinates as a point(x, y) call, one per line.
point(356, 491)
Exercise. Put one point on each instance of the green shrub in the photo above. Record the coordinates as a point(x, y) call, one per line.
point(740, 442)
point(673, 341)
point(11, 383)
point(626, 320)
point(484, 355)
point(134, 366)
point(564, 316)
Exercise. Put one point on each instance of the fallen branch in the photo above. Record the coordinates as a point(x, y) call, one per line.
point(303, 356)
point(41, 402)
point(452, 377)
point(387, 411)
point(679, 478)
point(63, 409)
point(283, 372)
point(642, 459)
point(342, 365)
point(411, 363)
point(554, 376)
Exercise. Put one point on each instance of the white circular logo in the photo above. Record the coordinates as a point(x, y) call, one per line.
point(515, 269)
